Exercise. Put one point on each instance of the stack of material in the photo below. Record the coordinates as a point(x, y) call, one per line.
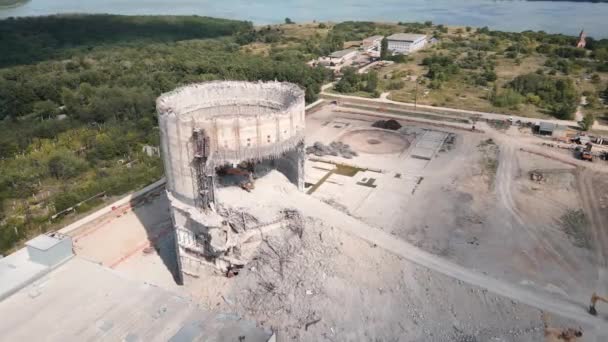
point(335, 148)
point(391, 124)
point(536, 176)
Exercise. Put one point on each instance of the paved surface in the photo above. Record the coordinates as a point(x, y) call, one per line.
point(83, 301)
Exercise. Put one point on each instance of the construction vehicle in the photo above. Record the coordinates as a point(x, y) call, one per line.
point(560, 335)
point(594, 299)
point(243, 169)
point(583, 154)
point(586, 155)
point(587, 152)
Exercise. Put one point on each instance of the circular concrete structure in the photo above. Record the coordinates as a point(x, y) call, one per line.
point(375, 141)
point(243, 120)
point(226, 123)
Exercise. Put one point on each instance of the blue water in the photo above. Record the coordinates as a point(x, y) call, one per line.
point(516, 15)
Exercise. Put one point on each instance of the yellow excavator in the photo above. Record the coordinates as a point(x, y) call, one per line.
point(594, 299)
point(558, 334)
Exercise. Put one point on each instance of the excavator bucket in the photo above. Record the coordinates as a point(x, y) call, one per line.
point(592, 310)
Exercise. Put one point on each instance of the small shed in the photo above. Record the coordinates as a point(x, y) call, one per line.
point(49, 249)
point(546, 128)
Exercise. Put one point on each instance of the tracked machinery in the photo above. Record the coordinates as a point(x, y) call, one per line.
point(594, 299)
point(245, 170)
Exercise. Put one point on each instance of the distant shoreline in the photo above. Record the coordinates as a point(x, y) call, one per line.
point(552, 16)
point(6, 4)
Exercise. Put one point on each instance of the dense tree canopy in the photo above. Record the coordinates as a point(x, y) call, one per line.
point(31, 39)
point(556, 94)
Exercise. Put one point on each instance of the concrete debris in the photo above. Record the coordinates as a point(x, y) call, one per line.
point(391, 124)
point(230, 244)
point(294, 221)
point(536, 176)
point(448, 143)
point(238, 220)
point(335, 149)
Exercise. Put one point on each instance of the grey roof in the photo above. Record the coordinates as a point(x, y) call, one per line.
point(43, 242)
point(546, 126)
point(374, 37)
point(16, 271)
point(406, 37)
point(341, 53)
point(84, 301)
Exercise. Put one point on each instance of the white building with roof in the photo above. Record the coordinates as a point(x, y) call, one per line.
point(372, 43)
point(406, 43)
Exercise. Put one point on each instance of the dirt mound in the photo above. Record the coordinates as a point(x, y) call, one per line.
point(391, 124)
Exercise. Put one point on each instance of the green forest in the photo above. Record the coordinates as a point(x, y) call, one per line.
point(77, 103)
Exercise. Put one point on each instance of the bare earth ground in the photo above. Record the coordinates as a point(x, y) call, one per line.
point(473, 203)
point(477, 205)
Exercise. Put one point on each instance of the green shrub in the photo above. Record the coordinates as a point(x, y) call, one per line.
point(507, 98)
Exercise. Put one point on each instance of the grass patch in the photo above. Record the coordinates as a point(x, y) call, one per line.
point(575, 224)
point(489, 160)
point(501, 125)
point(341, 169)
point(319, 183)
point(347, 170)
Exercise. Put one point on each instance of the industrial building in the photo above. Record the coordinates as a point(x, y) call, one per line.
point(372, 43)
point(224, 134)
point(406, 43)
point(342, 56)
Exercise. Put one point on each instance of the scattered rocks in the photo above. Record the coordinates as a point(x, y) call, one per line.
point(335, 148)
point(536, 176)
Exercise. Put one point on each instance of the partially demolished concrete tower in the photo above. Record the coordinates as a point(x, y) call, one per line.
point(213, 133)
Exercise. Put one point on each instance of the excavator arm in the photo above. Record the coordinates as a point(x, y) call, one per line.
point(594, 299)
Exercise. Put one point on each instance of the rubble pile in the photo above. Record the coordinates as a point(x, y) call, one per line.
point(391, 124)
point(536, 176)
point(448, 144)
point(335, 148)
point(238, 220)
point(295, 221)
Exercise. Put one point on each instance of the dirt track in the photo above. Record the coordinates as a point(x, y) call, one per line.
point(599, 223)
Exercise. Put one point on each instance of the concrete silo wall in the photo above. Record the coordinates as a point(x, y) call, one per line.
point(244, 121)
point(211, 125)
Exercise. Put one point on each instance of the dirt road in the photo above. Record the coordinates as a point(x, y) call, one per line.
point(598, 225)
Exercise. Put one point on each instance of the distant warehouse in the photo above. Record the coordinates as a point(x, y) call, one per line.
point(406, 43)
point(340, 57)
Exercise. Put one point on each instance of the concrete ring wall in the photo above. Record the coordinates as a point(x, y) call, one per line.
point(243, 120)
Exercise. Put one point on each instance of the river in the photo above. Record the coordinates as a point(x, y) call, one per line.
point(515, 15)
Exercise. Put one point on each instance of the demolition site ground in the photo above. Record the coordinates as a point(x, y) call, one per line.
point(383, 214)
